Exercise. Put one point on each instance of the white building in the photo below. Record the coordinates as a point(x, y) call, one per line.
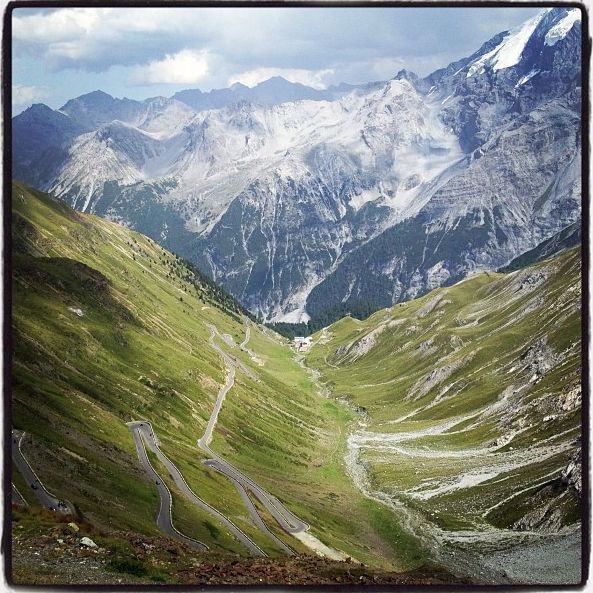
point(302, 344)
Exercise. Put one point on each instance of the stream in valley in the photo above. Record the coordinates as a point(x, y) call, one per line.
point(487, 555)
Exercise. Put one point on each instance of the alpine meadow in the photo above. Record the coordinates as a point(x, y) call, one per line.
point(303, 316)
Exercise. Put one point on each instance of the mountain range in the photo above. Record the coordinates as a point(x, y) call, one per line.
point(308, 204)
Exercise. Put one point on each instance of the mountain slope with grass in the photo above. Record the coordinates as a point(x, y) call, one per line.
point(470, 417)
point(109, 328)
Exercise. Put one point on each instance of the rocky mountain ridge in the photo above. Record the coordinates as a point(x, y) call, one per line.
point(305, 203)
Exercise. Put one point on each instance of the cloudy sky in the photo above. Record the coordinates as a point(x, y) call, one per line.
point(138, 53)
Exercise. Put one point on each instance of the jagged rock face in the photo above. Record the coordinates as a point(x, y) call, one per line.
point(572, 476)
point(40, 137)
point(524, 188)
point(98, 108)
point(565, 239)
point(511, 75)
point(280, 245)
point(547, 514)
point(353, 197)
point(519, 187)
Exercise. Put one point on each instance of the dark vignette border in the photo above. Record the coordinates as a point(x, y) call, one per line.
point(6, 93)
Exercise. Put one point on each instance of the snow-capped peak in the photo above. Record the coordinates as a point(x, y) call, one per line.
point(561, 28)
point(508, 52)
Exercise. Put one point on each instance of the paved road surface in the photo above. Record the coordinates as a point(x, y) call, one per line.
point(231, 361)
point(164, 518)
point(145, 430)
point(243, 344)
point(230, 381)
point(285, 518)
point(259, 521)
point(42, 494)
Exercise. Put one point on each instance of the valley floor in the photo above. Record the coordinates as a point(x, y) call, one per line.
point(443, 432)
point(469, 419)
point(486, 555)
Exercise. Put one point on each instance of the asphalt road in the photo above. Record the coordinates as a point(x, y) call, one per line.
point(144, 434)
point(164, 519)
point(230, 381)
point(243, 344)
point(285, 518)
point(144, 430)
point(45, 498)
point(260, 523)
point(231, 361)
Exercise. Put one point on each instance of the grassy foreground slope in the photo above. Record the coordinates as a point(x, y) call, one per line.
point(108, 328)
point(471, 398)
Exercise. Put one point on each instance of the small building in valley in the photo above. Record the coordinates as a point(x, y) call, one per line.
point(302, 344)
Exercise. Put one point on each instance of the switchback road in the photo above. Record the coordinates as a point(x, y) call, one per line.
point(164, 518)
point(145, 429)
point(42, 494)
point(289, 522)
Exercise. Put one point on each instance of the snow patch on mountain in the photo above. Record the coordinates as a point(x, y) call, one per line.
point(272, 198)
point(508, 52)
point(527, 77)
point(561, 29)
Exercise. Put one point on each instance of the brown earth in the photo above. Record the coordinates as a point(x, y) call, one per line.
point(46, 550)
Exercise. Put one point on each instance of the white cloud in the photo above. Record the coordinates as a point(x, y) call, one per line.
point(26, 95)
point(300, 44)
point(62, 25)
point(185, 67)
point(312, 78)
point(94, 39)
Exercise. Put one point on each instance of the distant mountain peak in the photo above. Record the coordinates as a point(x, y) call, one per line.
point(94, 97)
point(279, 82)
point(38, 107)
point(266, 164)
point(97, 93)
point(404, 74)
point(276, 78)
point(513, 47)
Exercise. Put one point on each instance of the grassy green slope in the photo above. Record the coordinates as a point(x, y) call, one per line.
point(139, 350)
point(472, 395)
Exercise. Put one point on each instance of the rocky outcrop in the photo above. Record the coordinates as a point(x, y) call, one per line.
point(435, 377)
point(572, 474)
point(538, 360)
point(363, 346)
point(550, 501)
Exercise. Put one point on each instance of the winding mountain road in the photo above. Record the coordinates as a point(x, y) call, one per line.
point(231, 361)
point(260, 523)
point(289, 522)
point(43, 495)
point(243, 344)
point(143, 430)
point(164, 518)
point(143, 433)
point(230, 381)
